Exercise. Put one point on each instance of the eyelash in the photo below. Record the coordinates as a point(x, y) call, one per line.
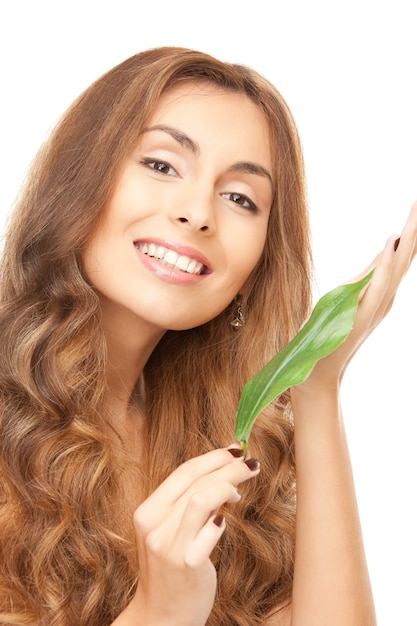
point(234, 196)
point(251, 206)
point(149, 162)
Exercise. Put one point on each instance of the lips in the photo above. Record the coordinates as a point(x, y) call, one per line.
point(176, 259)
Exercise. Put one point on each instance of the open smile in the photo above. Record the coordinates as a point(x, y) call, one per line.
point(171, 258)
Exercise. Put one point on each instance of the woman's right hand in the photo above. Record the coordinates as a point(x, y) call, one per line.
point(177, 527)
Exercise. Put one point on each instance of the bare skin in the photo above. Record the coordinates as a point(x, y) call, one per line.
point(196, 196)
point(331, 584)
point(175, 528)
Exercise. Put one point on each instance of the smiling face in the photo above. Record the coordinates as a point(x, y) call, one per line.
point(187, 222)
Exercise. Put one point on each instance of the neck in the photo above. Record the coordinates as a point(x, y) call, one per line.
point(127, 354)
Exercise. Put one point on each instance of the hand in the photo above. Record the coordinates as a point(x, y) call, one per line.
point(177, 528)
point(375, 302)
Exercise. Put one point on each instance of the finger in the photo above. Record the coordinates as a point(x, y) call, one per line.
point(201, 548)
point(197, 510)
point(383, 271)
point(392, 265)
point(407, 244)
point(157, 505)
point(372, 304)
point(184, 519)
point(190, 512)
point(399, 258)
point(210, 494)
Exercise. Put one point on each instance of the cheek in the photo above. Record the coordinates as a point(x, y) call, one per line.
point(253, 245)
point(95, 257)
point(249, 261)
point(90, 261)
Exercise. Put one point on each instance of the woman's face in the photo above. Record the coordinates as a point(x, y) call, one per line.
point(187, 222)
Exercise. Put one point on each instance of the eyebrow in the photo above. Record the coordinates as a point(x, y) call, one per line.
point(247, 167)
point(183, 139)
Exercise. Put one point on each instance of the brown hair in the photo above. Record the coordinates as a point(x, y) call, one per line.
point(62, 559)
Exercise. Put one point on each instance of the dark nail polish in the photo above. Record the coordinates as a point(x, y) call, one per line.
point(218, 520)
point(253, 464)
point(397, 243)
point(236, 452)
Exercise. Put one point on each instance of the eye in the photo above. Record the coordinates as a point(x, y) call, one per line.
point(242, 201)
point(159, 166)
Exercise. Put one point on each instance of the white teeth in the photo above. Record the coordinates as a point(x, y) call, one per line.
point(171, 258)
point(183, 263)
point(194, 267)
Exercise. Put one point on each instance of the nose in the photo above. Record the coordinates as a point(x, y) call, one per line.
point(196, 215)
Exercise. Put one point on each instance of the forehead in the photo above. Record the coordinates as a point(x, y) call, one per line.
point(202, 108)
point(205, 95)
point(204, 88)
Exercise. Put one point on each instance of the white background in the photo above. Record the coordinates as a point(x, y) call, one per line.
point(349, 74)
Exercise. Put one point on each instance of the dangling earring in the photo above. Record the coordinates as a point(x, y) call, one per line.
point(239, 320)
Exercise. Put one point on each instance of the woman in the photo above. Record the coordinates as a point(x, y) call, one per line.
point(158, 257)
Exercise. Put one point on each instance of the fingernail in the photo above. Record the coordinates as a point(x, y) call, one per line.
point(236, 452)
point(253, 464)
point(397, 243)
point(218, 520)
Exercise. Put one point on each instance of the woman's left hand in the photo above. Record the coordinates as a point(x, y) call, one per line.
point(376, 300)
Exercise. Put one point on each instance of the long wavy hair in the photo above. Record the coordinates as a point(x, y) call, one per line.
point(63, 558)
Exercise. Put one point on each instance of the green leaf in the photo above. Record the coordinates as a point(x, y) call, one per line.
point(328, 326)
